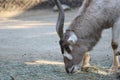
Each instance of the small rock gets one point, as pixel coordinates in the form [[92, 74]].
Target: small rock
[[65, 7]]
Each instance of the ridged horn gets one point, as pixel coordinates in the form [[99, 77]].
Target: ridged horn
[[60, 21]]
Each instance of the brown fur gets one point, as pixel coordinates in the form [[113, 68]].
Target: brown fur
[[97, 17], [94, 16]]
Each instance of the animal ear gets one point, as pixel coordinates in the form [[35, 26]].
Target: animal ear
[[72, 39]]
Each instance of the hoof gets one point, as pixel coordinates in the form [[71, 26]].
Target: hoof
[[85, 68]]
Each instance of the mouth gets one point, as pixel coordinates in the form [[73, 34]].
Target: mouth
[[73, 69]]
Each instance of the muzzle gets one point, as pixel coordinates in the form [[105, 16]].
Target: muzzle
[[73, 69]]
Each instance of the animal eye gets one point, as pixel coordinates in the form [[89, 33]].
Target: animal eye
[[67, 48]]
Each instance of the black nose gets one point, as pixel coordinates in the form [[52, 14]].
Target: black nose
[[70, 70]]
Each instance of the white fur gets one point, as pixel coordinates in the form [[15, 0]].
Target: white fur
[[76, 68], [70, 47], [73, 38], [69, 56]]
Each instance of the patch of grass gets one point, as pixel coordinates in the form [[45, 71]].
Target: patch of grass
[[21, 71]]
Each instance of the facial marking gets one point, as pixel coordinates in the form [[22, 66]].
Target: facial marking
[[74, 68], [70, 47], [69, 56], [71, 69]]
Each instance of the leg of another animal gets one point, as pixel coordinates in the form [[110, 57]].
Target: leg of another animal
[[86, 60], [114, 44]]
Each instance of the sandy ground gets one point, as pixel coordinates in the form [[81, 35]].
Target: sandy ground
[[29, 48]]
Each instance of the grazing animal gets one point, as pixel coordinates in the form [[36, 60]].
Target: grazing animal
[[85, 31]]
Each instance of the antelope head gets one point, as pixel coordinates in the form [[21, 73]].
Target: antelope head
[[71, 50]]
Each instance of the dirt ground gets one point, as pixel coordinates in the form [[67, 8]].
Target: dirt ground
[[29, 48]]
